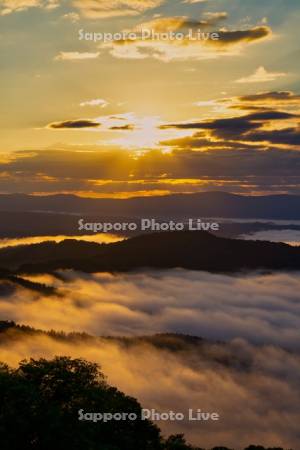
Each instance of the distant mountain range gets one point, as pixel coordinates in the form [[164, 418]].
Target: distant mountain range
[[189, 250], [15, 224], [206, 204]]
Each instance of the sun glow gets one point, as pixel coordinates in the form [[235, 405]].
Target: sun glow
[[143, 132], [99, 238]]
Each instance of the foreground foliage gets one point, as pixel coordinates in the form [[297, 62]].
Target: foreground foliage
[[39, 404]]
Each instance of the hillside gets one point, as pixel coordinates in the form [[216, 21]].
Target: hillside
[[189, 250], [204, 204]]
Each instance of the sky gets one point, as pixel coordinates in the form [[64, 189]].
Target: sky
[[155, 116]]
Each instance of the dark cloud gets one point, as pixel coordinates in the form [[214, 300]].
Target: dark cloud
[[256, 151], [233, 164], [195, 49], [200, 141], [243, 123], [290, 136], [127, 127], [220, 126], [271, 115], [252, 162], [227, 37], [243, 128], [287, 96], [80, 123], [265, 102], [234, 37], [230, 128], [248, 107], [117, 118]]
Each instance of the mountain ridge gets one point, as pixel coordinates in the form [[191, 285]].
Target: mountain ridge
[[203, 204], [193, 250]]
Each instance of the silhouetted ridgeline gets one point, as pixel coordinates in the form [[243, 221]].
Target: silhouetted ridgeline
[[205, 204], [189, 250], [15, 224], [222, 354], [9, 283]]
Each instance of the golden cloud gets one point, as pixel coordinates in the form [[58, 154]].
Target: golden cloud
[[76, 56], [261, 75], [190, 46], [10, 6], [97, 9]]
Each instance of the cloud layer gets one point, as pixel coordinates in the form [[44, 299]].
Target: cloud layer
[[253, 389], [98, 9], [11, 6], [259, 308], [193, 164], [248, 143], [192, 46], [251, 381]]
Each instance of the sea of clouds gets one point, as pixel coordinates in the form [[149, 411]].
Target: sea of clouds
[[252, 381], [261, 308]]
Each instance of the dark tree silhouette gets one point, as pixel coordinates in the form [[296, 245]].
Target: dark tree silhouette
[[40, 403], [178, 442]]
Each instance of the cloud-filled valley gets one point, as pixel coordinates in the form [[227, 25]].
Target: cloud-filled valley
[[254, 389], [261, 308]]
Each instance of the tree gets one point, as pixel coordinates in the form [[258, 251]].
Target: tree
[[39, 404], [260, 447], [221, 448], [42, 401], [178, 442]]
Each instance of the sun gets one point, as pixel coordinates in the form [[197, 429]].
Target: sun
[[145, 133]]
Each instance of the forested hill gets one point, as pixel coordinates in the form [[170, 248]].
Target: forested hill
[[189, 250]]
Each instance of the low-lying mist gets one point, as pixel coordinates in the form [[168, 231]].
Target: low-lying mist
[[254, 389], [262, 308], [252, 381]]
